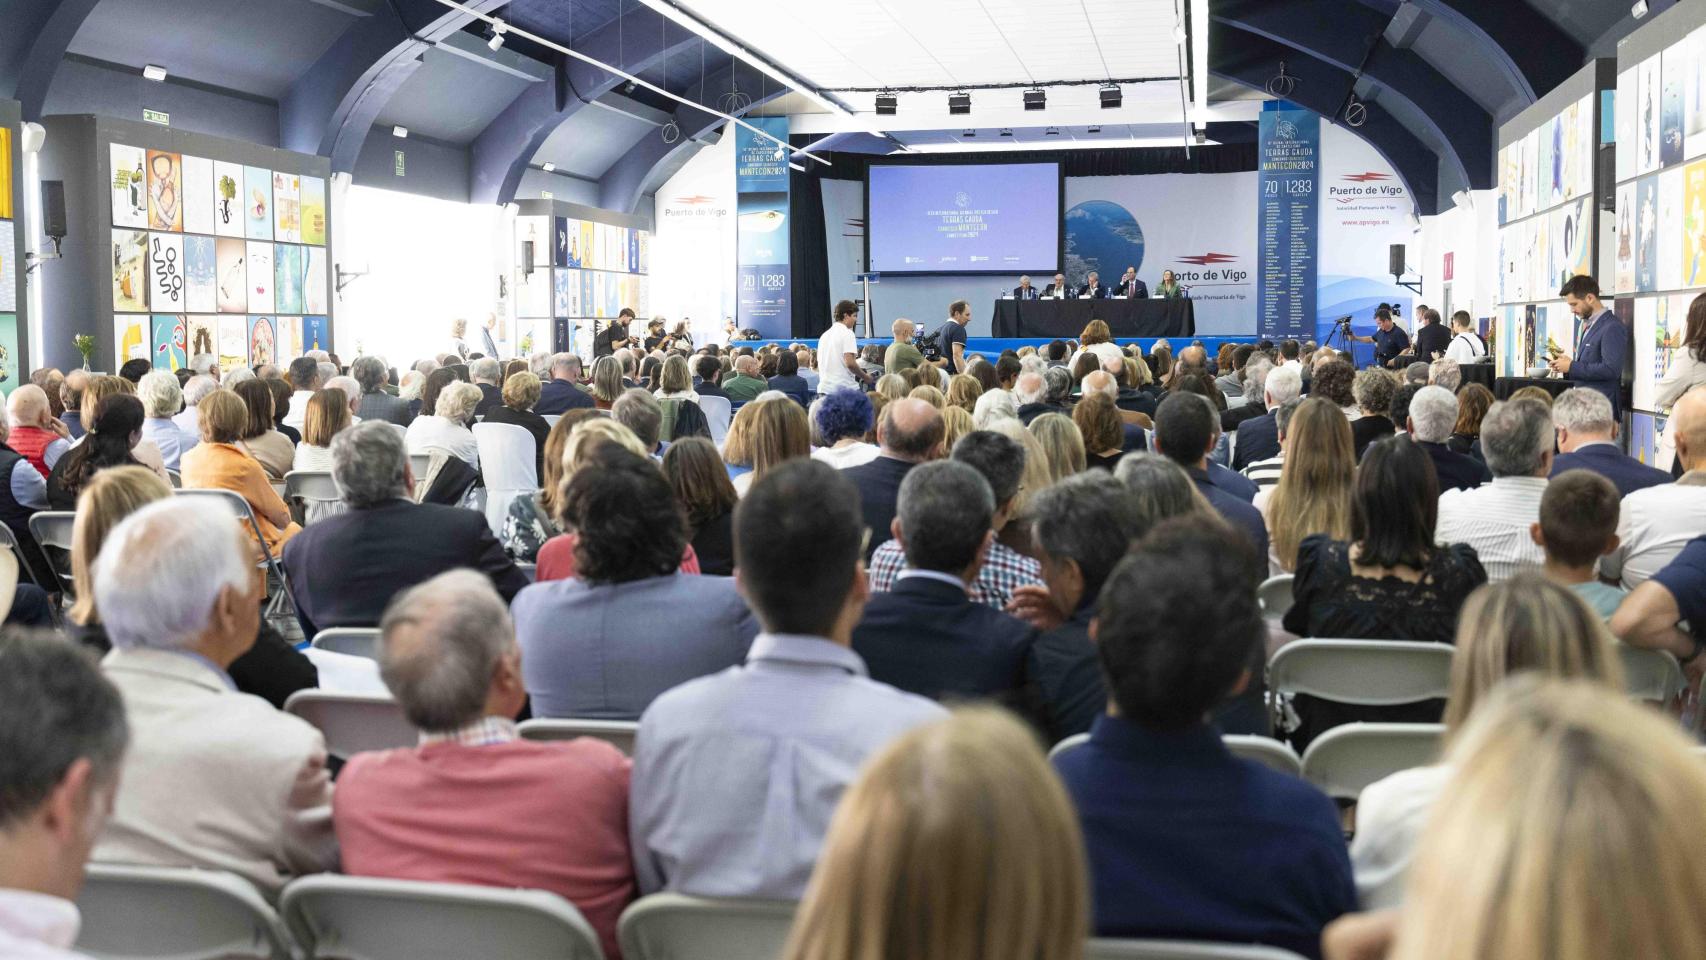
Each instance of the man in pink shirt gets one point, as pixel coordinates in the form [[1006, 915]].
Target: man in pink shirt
[[474, 803]]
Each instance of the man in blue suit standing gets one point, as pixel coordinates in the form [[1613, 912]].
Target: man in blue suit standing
[[1604, 346]]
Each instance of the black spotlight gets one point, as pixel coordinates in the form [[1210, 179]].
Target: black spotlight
[[1036, 99], [959, 103], [1051, 132], [1006, 131], [887, 103], [1094, 128], [969, 134], [1111, 97]]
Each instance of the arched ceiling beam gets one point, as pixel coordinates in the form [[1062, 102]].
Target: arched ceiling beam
[[1532, 52], [1349, 36], [499, 156], [333, 104], [33, 41]]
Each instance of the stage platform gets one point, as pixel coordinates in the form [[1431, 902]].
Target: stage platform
[[992, 346]]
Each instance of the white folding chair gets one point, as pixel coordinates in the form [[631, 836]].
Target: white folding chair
[[353, 723], [1369, 673], [1266, 751], [552, 418], [1274, 595], [718, 412], [176, 478], [1651, 675], [618, 733], [1069, 744], [351, 641], [1348, 758], [419, 464], [531, 570], [315, 491], [357, 918], [49, 528], [1181, 950], [509, 462], [240, 509], [184, 914], [670, 926]]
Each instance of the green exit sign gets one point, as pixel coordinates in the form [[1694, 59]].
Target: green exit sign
[[161, 117], [397, 161]]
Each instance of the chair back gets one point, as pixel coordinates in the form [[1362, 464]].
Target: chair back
[[671, 926], [509, 462], [313, 495], [1274, 595], [1362, 672], [1651, 675], [50, 528], [1068, 745], [618, 733], [1266, 751], [176, 478], [552, 418], [184, 914], [419, 464], [359, 918], [718, 412], [1097, 949], [353, 723], [1348, 758], [350, 641]]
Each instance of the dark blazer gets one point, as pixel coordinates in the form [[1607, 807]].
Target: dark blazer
[[1139, 289], [926, 637], [560, 396], [490, 397], [535, 425], [380, 405], [1235, 510], [1031, 411], [1365, 430], [1236, 484], [1628, 473], [1098, 292], [1231, 417], [344, 569], [714, 544], [1068, 677], [879, 486], [705, 389], [1600, 358], [1021, 293], [1136, 401], [794, 386], [1432, 338], [1456, 471], [1049, 290], [1258, 439]]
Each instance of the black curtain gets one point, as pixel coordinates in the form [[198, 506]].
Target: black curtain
[[808, 257]]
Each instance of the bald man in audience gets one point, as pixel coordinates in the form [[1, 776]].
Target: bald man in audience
[[746, 384], [1657, 522], [475, 803], [1030, 395], [910, 432], [214, 779]]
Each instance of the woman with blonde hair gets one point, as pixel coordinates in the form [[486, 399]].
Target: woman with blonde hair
[[328, 413], [1063, 445], [1527, 624], [606, 382], [1016, 535], [956, 841], [892, 386], [676, 381], [1099, 423], [1568, 830], [778, 433], [1096, 339], [929, 395], [271, 449], [956, 423], [1317, 478], [219, 462], [964, 391]]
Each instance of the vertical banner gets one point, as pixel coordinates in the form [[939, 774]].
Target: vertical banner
[[761, 188], [1289, 178]]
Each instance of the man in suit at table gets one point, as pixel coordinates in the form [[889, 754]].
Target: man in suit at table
[[1024, 291], [1130, 287], [345, 569], [1094, 288], [925, 635], [1604, 346], [1058, 290]]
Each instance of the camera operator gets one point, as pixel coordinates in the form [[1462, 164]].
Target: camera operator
[[1390, 341]]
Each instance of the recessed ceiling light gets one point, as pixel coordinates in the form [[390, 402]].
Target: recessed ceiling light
[[154, 72], [548, 166], [400, 132]]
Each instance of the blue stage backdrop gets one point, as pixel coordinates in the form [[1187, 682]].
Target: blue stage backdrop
[[1288, 189], [761, 189]]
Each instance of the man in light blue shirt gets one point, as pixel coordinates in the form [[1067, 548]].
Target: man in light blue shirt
[[161, 397], [736, 774]]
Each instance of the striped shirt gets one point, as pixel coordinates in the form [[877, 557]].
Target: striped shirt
[[1494, 518], [1004, 570], [1265, 473], [482, 732]]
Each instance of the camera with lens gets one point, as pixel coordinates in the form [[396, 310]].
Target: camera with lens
[[929, 345]]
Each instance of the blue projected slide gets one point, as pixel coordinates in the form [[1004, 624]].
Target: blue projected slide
[[964, 218]]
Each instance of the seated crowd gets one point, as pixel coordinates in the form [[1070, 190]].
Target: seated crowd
[[850, 602]]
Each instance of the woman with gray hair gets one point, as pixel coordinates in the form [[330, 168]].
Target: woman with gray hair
[[161, 399], [446, 428]]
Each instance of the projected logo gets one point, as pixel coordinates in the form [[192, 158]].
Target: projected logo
[[1103, 236]]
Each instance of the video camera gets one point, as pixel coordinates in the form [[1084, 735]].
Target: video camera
[[929, 344]]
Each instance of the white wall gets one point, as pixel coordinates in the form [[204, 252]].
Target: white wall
[[693, 266], [1468, 233], [428, 262]]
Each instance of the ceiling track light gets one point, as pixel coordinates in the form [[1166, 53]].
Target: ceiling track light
[[1052, 132], [1111, 96], [497, 39], [1036, 99], [1094, 128], [968, 134], [1007, 131], [959, 103], [887, 104]]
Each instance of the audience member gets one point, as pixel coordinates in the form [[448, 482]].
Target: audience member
[[1252, 403], [487, 375], [1664, 613], [1432, 415], [328, 414], [925, 634], [134, 370], [799, 717], [446, 427], [1030, 396], [475, 803], [963, 392], [1525, 625], [909, 433], [1577, 526], [1373, 391], [1313, 495], [606, 642], [532, 521], [161, 397], [214, 778], [1062, 444], [50, 380], [842, 418], [520, 395], [1417, 373], [702, 488], [608, 382], [1402, 394], [1006, 883], [1186, 431], [1496, 518], [1587, 440], [219, 462], [1258, 437], [1186, 841], [1334, 382], [344, 569], [1445, 373], [271, 449], [71, 403], [777, 433], [62, 742], [305, 378], [1101, 429], [115, 428], [376, 404], [1657, 522], [281, 394], [35, 435], [745, 385], [1389, 581], [675, 382], [707, 374], [1473, 402], [994, 405], [562, 393]]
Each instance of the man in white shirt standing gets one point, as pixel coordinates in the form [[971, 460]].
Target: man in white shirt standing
[[62, 740], [1657, 522], [1494, 518], [838, 352], [1466, 345]]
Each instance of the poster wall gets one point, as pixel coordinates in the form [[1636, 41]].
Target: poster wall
[[761, 189], [573, 275], [1289, 179], [11, 273]]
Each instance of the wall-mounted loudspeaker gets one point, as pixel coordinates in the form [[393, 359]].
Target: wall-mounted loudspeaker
[[1395, 259], [53, 209]]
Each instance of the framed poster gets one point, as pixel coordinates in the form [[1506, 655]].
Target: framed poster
[[258, 257], [129, 185], [168, 338], [200, 268], [130, 338], [314, 211], [165, 191], [233, 343], [201, 335], [263, 341], [130, 271], [286, 207], [228, 218], [287, 278], [199, 206], [257, 203], [231, 274], [166, 272], [314, 280]]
